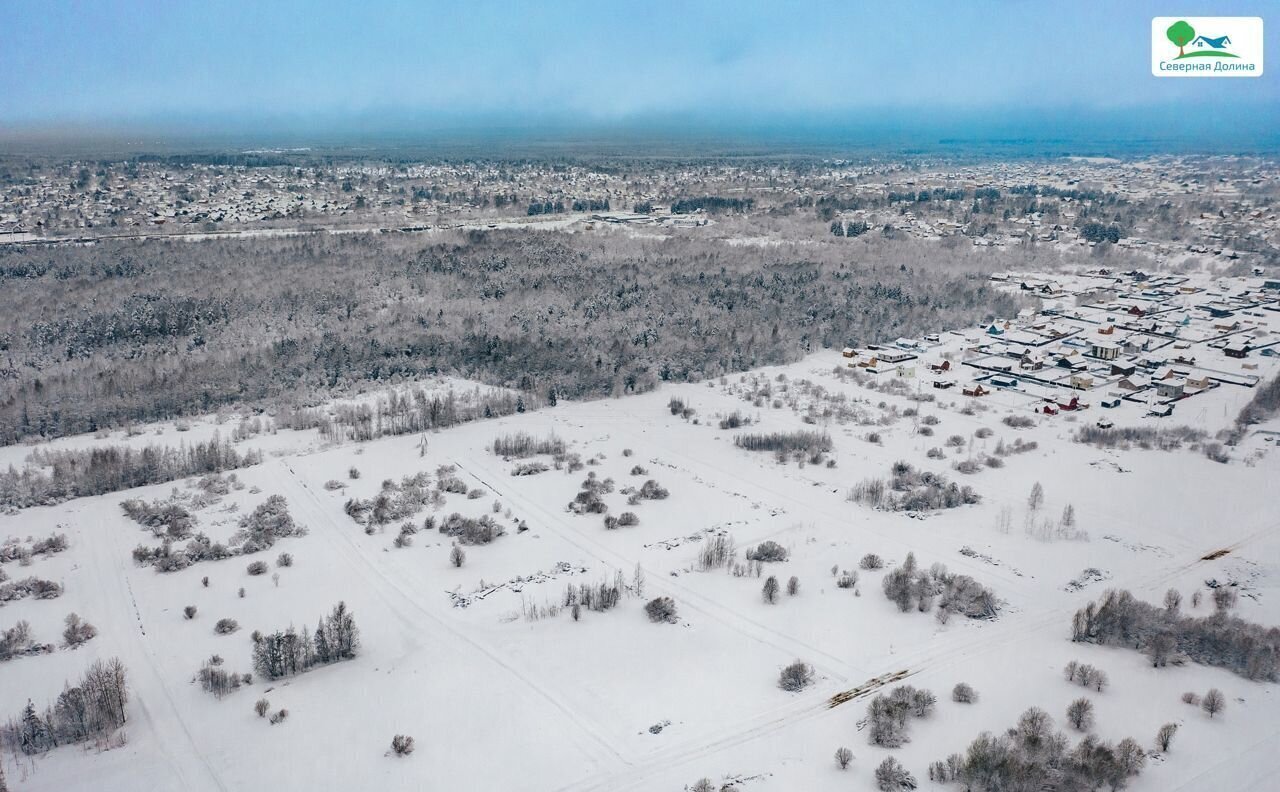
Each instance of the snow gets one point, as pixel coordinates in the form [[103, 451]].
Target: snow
[[498, 701]]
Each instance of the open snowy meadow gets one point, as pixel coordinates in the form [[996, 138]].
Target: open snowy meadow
[[710, 586]]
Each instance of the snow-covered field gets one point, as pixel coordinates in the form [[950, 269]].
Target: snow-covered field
[[499, 700]]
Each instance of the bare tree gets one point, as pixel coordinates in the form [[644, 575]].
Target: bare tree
[[1036, 499], [1160, 647], [1164, 737], [1172, 601], [770, 590], [457, 556], [1080, 714], [793, 586], [1213, 702], [261, 706], [843, 757], [1224, 598]]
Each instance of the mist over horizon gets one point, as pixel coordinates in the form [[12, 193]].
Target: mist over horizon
[[149, 76]]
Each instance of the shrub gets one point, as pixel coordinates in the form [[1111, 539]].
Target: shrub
[[793, 586], [893, 777], [909, 489], [1018, 422], [733, 420], [257, 568], [353, 473], [261, 706], [963, 693], [76, 631], [29, 587], [471, 531], [402, 745], [847, 580], [767, 550], [457, 556], [871, 561], [279, 717], [17, 641], [652, 490], [628, 518], [796, 676], [530, 468], [284, 560], [189, 612], [661, 609], [226, 626]]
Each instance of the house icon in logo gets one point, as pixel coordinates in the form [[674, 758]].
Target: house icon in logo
[[1182, 34], [1218, 43]]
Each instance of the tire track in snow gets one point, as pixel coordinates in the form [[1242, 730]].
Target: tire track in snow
[[396, 597], [165, 722], [835, 666]]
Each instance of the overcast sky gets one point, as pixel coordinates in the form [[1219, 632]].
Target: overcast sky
[[120, 63]]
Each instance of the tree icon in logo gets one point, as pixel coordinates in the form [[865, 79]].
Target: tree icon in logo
[[1181, 34]]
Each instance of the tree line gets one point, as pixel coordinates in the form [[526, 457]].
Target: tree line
[[75, 473], [93, 707]]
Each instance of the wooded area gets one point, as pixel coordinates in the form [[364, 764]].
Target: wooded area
[[165, 329]]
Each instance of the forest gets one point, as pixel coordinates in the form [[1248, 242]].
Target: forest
[[172, 328]]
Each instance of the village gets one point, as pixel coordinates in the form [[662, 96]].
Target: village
[[1165, 210], [1143, 345]]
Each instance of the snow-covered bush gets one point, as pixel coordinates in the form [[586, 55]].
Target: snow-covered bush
[[796, 676], [77, 631], [661, 609], [767, 550], [401, 745], [893, 777]]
